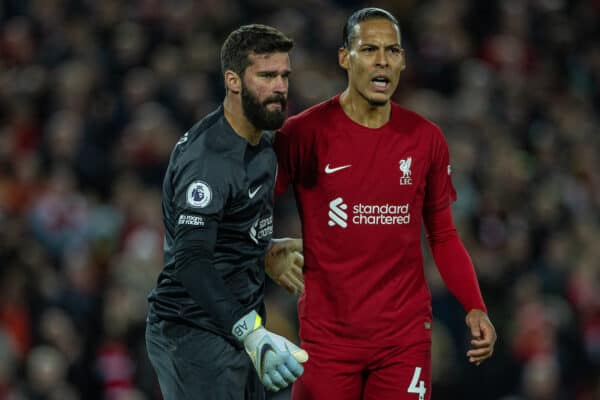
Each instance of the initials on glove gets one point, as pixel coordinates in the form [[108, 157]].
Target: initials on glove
[[276, 360]]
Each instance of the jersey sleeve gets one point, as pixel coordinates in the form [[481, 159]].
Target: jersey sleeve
[[296, 163], [452, 260], [440, 191], [199, 198]]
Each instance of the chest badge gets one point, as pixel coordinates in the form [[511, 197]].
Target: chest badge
[[405, 164]]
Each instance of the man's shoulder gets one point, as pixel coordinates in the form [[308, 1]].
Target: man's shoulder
[[313, 114], [405, 114], [208, 125], [203, 144], [204, 136], [203, 154], [409, 119]]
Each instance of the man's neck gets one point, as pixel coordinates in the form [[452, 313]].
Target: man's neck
[[359, 110], [238, 121]]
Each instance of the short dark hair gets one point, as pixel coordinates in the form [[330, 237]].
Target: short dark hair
[[247, 39], [362, 15]]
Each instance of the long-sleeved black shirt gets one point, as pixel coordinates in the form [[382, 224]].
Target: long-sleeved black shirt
[[218, 217]]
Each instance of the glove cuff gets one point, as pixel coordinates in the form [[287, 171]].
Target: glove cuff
[[245, 325]]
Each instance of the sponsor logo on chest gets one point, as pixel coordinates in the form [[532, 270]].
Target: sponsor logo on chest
[[367, 214], [341, 214]]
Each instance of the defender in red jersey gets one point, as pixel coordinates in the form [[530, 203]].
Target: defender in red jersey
[[367, 174]]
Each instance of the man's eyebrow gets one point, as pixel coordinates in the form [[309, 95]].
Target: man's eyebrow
[[274, 72], [369, 44]]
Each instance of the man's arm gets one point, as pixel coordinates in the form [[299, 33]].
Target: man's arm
[[458, 273], [194, 248], [284, 260], [201, 199], [276, 359]]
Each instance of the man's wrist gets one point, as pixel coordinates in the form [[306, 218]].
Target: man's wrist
[[277, 240], [245, 325]]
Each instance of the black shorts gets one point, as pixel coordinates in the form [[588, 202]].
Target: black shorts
[[196, 364]]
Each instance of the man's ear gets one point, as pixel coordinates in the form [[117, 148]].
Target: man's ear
[[233, 82], [343, 55]]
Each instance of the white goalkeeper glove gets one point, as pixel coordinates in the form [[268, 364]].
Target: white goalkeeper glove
[[276, 360]]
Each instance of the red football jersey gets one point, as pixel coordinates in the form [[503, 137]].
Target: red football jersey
[[361, 193]]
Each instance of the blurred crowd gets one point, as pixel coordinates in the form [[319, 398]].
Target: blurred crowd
[[94, 94]]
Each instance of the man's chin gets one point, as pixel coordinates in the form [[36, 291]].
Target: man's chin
[[377, 99], [273, 120], [378, 102]]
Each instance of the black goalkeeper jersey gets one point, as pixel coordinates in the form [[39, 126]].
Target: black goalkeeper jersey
[[218, 217]]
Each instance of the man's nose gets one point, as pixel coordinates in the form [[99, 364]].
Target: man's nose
[[280, 84], [381, 58]]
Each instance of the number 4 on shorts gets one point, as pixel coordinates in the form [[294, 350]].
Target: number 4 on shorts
[[413, 388]]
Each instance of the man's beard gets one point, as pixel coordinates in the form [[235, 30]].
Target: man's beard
[[258, 114]]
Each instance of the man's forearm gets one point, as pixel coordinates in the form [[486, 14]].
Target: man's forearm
[[195, 271], [452, 259]]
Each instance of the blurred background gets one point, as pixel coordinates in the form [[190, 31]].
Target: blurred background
[[94, 94]]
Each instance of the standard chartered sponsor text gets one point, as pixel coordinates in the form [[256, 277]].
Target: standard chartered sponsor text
[[381, 214], [265, 227]]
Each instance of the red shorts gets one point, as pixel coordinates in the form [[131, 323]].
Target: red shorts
[[336, 372]]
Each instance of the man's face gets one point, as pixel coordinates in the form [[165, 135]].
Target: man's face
[[374, 61], [265, 90]]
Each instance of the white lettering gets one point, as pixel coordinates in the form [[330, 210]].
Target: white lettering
[[381, 214], [262, 229], [362, 219], [194, 220]]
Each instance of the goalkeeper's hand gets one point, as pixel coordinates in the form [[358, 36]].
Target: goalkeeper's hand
[[276, 360]]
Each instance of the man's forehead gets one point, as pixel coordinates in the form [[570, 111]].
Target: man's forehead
[[269, 60], [377, 30], [268, 57]]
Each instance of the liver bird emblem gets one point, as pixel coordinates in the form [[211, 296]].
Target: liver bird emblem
[[405, 167]]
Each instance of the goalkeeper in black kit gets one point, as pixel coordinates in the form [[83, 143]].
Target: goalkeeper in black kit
[[207, 307]]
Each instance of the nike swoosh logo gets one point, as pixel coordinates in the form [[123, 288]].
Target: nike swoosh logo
[[252, 193], [329, 170], [262, 357]]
